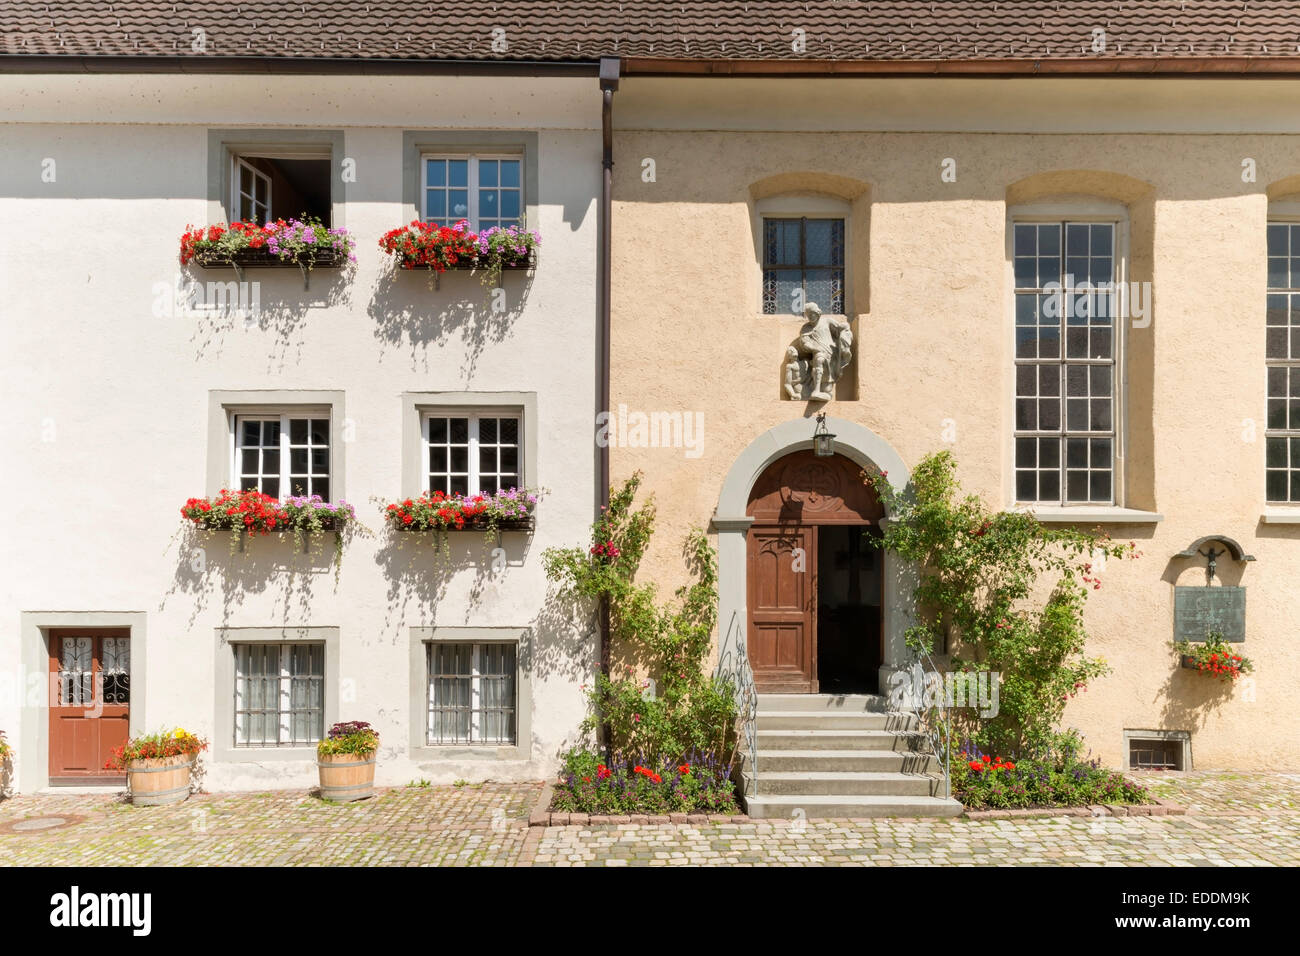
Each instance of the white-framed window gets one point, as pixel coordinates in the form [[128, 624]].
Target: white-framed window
[[471, 696], [1282, 361], [803, 261], [279, 694], [486, 190], [282, 454], [251, 188], [469, 452], [1069, 274]]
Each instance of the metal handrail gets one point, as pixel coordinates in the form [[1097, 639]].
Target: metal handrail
[[733, 667], [935, 720]]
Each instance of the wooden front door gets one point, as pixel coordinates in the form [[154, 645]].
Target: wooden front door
[[90, 691], [796, 501], [782, 609]]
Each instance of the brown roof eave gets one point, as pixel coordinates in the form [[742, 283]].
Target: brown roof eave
[[22, 63], [1134, 66]]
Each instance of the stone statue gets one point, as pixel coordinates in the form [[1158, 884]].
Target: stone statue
[[818, 357]]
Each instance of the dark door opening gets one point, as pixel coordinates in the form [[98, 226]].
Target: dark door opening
[[848, 610]]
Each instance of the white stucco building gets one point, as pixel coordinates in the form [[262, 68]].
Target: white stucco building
[[124, 397]]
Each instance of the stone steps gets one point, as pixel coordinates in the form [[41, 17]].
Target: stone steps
[[845, 756], [810, 720], [832, 806], [851, 783], [853, 761], [840, 740]]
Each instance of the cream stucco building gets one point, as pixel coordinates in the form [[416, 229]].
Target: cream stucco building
[[938, 190]]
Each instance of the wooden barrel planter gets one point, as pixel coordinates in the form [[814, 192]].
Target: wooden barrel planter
[[159, 781], [345, 777]]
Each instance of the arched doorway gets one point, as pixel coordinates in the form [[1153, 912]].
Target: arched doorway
[[815, 583]]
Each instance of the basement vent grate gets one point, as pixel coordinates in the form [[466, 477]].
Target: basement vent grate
[[1158, 750]]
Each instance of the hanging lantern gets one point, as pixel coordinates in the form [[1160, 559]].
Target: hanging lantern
[[823, 441]]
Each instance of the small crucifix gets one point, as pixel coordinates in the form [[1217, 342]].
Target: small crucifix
[[1210, 555]]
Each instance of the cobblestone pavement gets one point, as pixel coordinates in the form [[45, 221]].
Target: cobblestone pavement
[[1236, 820]]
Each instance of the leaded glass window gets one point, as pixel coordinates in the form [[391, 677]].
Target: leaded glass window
[[803, 262]]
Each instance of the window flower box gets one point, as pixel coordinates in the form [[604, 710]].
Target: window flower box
[[1215, 657], [264, 258], [281, 244], [426, 245], [510, 510], [253, 513]]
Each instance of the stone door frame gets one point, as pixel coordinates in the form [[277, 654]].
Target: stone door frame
[[732, 525]]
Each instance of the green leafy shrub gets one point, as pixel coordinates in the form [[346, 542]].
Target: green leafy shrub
[[979, 575], [677, 709]]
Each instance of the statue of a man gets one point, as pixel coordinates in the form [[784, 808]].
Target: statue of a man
[[826, 343]]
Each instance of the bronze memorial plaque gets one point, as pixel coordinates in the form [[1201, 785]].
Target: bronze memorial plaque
[[1199, 610]]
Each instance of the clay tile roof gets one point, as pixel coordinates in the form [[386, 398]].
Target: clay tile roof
[[841, 31]]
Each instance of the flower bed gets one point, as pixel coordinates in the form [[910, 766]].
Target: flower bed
[[438, 248], [5, 750], [589, 786], [256, 513], [1214, 657], [301, 242], [1054, 779], [506, 510]]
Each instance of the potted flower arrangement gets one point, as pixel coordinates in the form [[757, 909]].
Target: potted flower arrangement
[[439, 248], [303, 242], [252, 512], [509, 510], [158, 766], [346, 761], [1215, 657]]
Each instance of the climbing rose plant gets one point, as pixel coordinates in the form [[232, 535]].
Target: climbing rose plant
[[979, 593], [677, 713]]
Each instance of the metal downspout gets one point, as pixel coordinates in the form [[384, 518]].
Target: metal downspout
[[609, 76]]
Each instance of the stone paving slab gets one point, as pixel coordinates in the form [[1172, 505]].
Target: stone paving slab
[[1234, 820]]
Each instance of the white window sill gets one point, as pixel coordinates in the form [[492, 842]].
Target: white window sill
[[1280, 516], [1105, 514]]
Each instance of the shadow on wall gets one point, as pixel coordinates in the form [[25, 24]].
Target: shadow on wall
[[213, 571], [265, 300], [420, 567], [1188, 698], [410, 313]]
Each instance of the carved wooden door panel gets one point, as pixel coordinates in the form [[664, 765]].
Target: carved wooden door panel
[[782, 608], [90, 701]]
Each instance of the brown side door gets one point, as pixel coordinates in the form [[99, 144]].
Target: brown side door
[[782, 609], [90, 702]]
